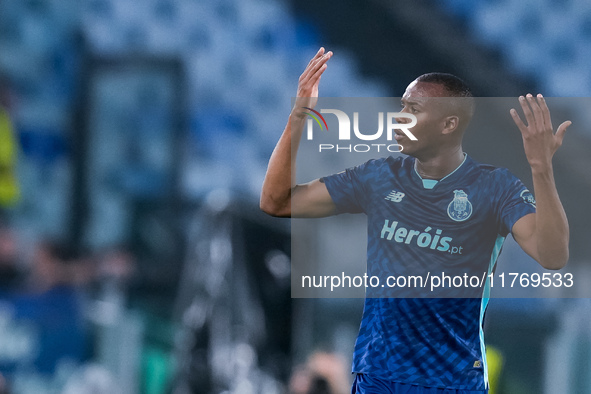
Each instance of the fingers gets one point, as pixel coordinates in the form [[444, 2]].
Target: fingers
[[545, 111], [536, 112], [316, 64], [562, 131], [316, 76], [315, 68], [320, 64], [316, 56], [520, 125], [529, 117], [538, 118], [311, 63]]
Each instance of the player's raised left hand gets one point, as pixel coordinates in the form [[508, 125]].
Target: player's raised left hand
[[539, 140]]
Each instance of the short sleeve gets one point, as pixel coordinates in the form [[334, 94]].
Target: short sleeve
[[348, 189], [514, 201]]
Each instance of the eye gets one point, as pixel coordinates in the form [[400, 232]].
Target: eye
[[412, 109]]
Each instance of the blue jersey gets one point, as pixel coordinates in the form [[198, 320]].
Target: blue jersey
[[454, 226]]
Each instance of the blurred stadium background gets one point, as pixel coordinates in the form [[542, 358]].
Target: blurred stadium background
[[134, 140]]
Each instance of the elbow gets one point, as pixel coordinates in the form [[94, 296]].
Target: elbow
[[271, 208], [556, 262], [554, 266], [267, 207]]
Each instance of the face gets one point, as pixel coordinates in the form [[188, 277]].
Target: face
[[425, 101]]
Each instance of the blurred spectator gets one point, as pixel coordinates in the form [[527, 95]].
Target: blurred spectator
[[11, 274], [52, 266], [9, 188], [114, 271], [494, 360], [323, 373], [117, 265], [53, 308]]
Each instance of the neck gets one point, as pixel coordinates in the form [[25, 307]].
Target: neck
[[440, 165]]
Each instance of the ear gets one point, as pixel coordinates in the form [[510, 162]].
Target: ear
[[450, 124]]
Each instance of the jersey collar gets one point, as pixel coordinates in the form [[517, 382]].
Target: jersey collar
[[431, 183]]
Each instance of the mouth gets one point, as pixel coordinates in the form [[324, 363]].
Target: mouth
[[398, 136]]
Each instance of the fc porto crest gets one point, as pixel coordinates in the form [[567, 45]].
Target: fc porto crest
[[460, 208]]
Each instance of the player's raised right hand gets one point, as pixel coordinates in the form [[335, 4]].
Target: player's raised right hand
[[280, 195], [307, 94]]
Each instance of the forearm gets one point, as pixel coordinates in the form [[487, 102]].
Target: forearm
[[280, 177], [279, 183], [551, 230]]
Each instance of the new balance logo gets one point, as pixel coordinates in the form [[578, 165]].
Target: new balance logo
[[394, 196]]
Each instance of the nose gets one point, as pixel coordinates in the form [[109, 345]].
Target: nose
[[402, 119]]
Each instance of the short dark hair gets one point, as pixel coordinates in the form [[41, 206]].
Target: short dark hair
[[454, 85]]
